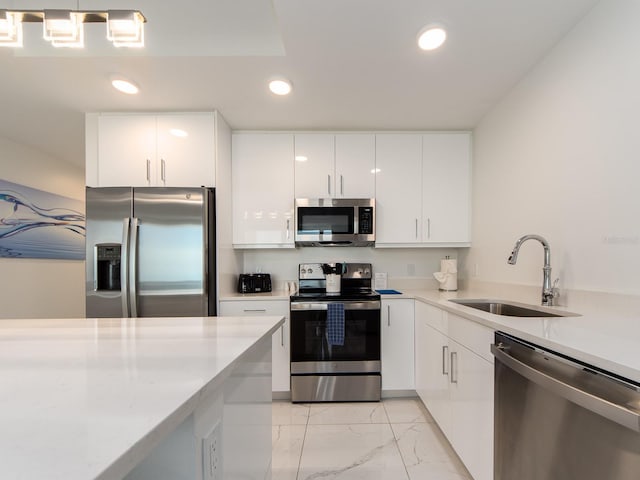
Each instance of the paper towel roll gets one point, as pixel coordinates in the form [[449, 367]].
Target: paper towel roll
[[448, 275], [449, 265]]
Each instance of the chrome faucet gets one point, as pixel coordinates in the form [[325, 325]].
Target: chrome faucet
[[549, 293]]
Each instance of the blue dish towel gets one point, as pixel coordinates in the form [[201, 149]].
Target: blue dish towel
[[335, 323]]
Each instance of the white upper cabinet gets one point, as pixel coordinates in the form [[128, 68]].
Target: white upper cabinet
[[398, 189], [334, 166], [446, 187], [355, 166], [314, 166], [423, 189], [186, 150], [262, 190], [140, 150]]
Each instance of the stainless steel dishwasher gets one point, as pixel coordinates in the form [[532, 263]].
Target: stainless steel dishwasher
[[557, 418]]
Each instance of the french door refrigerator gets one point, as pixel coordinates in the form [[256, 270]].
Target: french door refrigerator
[[150, 252]]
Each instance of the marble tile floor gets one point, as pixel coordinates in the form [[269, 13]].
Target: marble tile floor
[[395, 439]]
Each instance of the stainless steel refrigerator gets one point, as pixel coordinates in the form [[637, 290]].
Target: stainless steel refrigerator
[[150, 252]]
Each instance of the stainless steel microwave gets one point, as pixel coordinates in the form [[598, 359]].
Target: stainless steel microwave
[[335, 222]]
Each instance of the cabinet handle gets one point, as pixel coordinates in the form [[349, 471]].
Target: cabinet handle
[[329, 184], [428, 228], [162, 170], [254, 310], [388, 315], [454, 367], [341, 185], [288, 224], [282, 335], [148, 171], [445, 354], [416, 228]]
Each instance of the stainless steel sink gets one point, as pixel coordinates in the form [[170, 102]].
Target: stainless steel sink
[[510, 309]]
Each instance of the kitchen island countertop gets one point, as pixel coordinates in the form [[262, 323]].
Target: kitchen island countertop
[[89, 398]]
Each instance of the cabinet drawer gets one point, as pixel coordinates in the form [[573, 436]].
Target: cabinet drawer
[[435, 317], [472, 335], [254, 308]]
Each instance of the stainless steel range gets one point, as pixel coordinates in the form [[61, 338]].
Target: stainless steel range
[[335, 336]]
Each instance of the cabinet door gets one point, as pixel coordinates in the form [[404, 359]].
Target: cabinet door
[[471, 390], [126, 151], [446, 184], [432, 369], [397, 344], [398, 189], [315, 166], [262, 189], [186, 150], [280, 348], [355, 166]]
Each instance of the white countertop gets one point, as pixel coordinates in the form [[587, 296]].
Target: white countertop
[[606, 333], [80, 395]]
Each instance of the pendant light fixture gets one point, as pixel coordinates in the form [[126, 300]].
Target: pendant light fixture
[[10, 29], [65, 28], [125, 28]]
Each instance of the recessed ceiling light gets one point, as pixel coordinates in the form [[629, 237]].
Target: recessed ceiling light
[[178, 132], [301, 158], [431, 37], [124, 86], [280, 87]]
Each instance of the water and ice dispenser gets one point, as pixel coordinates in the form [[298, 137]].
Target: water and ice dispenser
[[108, 258]]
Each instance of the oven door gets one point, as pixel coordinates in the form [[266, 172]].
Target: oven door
[[310, 348]]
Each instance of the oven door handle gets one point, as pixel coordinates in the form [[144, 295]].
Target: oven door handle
[[348, 305], [600, 406]]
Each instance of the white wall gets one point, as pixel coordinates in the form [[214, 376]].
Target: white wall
[[560, 157], [33, 288]]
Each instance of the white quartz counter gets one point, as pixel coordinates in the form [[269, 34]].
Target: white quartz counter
[[85, 398], [606, 333]]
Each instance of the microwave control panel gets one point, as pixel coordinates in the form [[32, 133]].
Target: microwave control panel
[[365, 220]]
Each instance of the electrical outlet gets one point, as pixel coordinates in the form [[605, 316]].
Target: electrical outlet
[[212, 454]]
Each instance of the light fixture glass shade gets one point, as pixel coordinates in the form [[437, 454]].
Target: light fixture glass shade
[[280, 87], [125, 28], [10, 29], [124, 86], [63, 28], [431, 38]]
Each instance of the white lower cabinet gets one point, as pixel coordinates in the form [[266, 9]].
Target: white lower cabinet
[[454, 379], [281, 370], [397, 344]]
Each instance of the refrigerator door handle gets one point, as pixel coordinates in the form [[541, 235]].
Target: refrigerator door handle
[[124, 270], [133, 262]]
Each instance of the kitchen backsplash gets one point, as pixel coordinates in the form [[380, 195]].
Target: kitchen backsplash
[[404, 267]]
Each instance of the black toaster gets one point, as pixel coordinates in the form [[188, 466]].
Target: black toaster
[[254, 283]]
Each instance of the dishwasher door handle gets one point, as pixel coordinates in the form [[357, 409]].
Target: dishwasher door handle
[[616, 413]]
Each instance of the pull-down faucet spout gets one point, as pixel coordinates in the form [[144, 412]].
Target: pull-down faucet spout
[[548, 292]]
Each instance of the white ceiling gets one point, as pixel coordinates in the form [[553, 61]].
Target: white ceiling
[[354, 65]]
